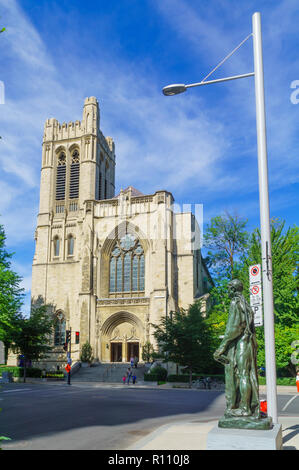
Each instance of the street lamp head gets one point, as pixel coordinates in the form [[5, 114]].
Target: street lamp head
[[175, 89]]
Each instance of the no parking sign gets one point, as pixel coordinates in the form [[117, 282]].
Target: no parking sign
[[255, 274], [255, 286]]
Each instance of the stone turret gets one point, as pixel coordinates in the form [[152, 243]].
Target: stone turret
[[91, 116]]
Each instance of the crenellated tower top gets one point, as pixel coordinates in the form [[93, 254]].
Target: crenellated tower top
[[90, 125]]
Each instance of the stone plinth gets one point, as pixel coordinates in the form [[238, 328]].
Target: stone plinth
[[245, 439]]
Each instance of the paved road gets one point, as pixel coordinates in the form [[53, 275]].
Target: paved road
[[93, 417]]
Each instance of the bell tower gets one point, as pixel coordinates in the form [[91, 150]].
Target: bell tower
[[78, 168]]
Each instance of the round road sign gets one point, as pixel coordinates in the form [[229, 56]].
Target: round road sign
[[255, 290], [254, 270]]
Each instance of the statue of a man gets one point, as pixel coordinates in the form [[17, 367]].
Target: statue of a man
[[237, 352]]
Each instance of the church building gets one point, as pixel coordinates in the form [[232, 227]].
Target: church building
[[109, 265]]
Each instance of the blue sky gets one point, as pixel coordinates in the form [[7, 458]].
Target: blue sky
[[200, 145]]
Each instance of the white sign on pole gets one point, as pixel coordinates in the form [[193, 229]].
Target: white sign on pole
[[258, 315], [255, 274], [256, 299]]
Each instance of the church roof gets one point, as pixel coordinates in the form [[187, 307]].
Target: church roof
[[134, 192]]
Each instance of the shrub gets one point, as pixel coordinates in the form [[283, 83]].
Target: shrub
[[185, 378], [279, 380], [19, 371], [55, 375], [86, 353], [150, 378], [147, 352], [156, 374], [160, 372]]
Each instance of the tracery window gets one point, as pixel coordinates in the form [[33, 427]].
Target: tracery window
[[127, 265], [74, 175], [60, 177], [59, 329]]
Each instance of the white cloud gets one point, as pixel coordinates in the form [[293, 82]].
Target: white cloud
[[170, 143], [154, 135], [209, 33]]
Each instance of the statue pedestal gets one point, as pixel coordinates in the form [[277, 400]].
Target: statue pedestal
[[245, 439]]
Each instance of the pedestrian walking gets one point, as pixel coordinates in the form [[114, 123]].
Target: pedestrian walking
[[135, 362], [134, 379]]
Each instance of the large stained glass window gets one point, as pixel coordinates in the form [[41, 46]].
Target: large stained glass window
[[127, 265]]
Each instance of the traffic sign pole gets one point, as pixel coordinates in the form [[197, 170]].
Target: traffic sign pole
[[255, 288], [264, 217], [69, 360]]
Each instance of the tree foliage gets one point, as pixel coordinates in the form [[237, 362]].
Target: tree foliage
[[285, 249], [226, 239], [285, 255], [184, 338], [147, 352], [32, 336], [11, 294], [86, 353]]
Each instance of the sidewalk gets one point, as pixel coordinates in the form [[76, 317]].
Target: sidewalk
[[281, 389], [193, 436]]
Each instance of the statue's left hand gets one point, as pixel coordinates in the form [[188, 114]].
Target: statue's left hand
[[220, 357]]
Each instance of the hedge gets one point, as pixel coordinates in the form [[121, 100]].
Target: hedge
[[19, 371], [32, 372], [185, 378], [158, 373], [279, 380]]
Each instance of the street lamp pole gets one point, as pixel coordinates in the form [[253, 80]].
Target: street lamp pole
[[264, 218], [263, 196]]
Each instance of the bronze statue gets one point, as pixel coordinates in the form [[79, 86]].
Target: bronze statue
[[237, 352]]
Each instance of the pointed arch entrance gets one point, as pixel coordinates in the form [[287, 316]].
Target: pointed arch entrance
[[122, 335]]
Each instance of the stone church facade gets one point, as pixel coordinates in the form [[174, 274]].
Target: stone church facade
[[108, 265]]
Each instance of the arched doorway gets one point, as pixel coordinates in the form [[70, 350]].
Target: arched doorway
[[122, 335]]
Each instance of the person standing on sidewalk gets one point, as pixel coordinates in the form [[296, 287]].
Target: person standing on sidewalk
[[129, 374]]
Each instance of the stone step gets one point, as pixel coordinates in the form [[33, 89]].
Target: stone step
[[111, 372]]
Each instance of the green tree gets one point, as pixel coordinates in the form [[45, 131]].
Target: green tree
[[285, 255], [285, 248], [11, 294], [218, 313], [86, 353], [285, 251], [33, 336], [225, 239], [147, 351], [184, 338]]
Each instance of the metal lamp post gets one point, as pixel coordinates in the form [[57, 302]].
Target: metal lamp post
[[263, 197]]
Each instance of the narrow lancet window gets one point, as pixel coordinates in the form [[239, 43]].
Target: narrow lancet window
[[60, 177], [74, 175], [56, 246], [70, 245]]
